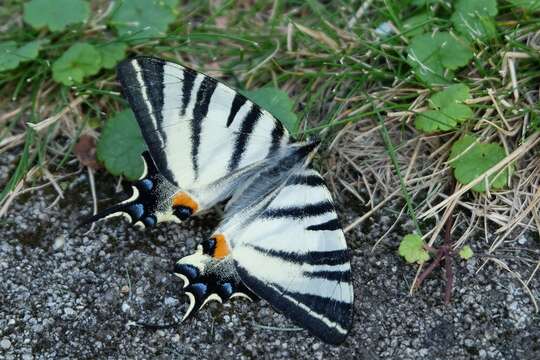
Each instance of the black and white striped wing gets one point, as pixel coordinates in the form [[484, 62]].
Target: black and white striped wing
[[294, 255], [197, 129]]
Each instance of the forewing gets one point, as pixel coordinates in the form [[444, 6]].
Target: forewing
[[294, 255], [197, 129]]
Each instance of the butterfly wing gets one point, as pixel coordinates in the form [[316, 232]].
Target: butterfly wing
[[204, 140], [199, 131], [294, 255]]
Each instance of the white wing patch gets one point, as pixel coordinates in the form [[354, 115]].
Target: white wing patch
[[294, 255]]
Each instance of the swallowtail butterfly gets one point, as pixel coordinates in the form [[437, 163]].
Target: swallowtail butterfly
[[280, 238]]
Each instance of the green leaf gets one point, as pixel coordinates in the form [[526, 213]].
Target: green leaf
[[120, 146], [529, 5], [111, 54], [466, 252], [433, 120], [469, 163], [454, 52], [430, 55], [11, 56], [417, 24], [474, 18], [55, 14], [278, 103], [143, 18], [412, 249], [451, 95], [448, 110], [79, 61]]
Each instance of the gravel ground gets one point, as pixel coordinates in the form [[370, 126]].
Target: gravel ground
[[75, 296]]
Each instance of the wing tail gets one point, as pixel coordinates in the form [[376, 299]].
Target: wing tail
[[143, 206]]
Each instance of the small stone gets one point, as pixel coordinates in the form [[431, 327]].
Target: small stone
[[59, 242], [170, 301], [124, 290], [482, 353], [69, 311], [5, 344]]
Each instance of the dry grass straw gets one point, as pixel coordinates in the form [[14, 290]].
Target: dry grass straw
[[497, 219]]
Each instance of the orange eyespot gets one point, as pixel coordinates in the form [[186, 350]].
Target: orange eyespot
[[183, 199], [221, 248]]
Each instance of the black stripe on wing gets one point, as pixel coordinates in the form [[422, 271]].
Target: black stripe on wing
[[133, 90], [204, 94], [187, 88], [242, 139], [329, 225], [237, 103], [303, 211], [338, 275], [331, 257], [320, 315], [153, 78], [277, 136], [309, 180]]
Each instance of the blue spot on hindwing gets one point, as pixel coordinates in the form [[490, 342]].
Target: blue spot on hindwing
[[150, 221], [146, 184], [199, 290], [136, 211], [190, 271], [226, 290]]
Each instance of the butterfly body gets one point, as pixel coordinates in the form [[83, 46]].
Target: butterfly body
[[279, 239]]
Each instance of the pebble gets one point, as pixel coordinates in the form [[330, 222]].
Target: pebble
[[69, 311], [5, 344], [83, 281]]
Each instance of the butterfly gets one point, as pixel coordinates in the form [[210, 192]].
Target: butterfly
[[279, 239]]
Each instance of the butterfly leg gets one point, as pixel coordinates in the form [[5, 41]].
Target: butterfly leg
[[208, 278]]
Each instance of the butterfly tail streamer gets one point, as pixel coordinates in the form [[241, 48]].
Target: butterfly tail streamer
[[142, 206], [206, 279]]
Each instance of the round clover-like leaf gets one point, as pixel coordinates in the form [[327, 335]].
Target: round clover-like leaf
[[474, 19], [11, 55], [453, 51], [111, 54], [471, 159], [120, 146], [412, 249], [432, 121], [278, 103], [417, 24], [430, 55], [55, 14], [466, 252], [143, 18], [79, 61], [448, 110], [453, 94]]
